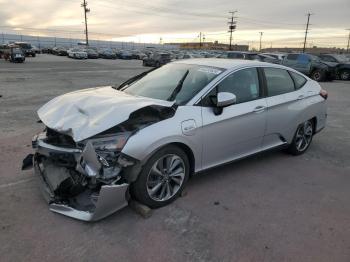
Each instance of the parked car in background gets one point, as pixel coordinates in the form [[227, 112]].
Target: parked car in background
[[36, 49], [27, 48], [14, 54], [77, 53], [157, 59], [341, 63], [92, 53], [101, 143], [136, 54], [60, 51], [279, 56], [3, 49], [107, 54], [311, 66], [250, 56], [123, 54]]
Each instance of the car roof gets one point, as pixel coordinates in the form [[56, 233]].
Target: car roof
[[226, 63]]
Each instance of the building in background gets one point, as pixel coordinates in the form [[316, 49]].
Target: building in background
[[210, 45]]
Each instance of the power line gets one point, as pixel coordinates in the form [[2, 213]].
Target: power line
[[306, 31], [232, 26]]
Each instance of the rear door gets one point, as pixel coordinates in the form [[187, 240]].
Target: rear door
[[285, 97]]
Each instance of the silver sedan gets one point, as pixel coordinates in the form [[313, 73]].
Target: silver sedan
[[145, 138]]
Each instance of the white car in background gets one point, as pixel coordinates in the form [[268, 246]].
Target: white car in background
[[279, 56], [77, 53]]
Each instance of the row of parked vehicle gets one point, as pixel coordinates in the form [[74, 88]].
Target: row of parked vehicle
[[17, 51], [322, 67], [94, 53]]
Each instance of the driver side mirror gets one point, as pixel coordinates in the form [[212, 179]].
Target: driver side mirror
[[225, 99]]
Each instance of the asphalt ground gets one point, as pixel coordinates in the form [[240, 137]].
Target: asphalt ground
[[270, 207]]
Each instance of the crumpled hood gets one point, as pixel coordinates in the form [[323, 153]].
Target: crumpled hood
[[88, 112]]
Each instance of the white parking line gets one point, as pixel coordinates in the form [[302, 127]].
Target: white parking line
[[16, 183]]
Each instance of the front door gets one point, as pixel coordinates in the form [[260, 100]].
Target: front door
[[239, 129]]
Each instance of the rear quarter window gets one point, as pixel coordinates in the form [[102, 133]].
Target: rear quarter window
[[299, 80]]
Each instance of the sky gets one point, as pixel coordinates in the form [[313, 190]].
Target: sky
[[281, 21]]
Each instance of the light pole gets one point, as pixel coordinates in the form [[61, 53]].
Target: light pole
[[261, 34]]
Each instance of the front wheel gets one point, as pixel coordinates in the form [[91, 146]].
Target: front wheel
[[163, 177], [302, 138], [345, 75]]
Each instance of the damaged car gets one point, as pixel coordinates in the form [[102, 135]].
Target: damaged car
[[145, 138]]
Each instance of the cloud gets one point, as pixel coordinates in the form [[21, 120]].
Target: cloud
[[109, 19]]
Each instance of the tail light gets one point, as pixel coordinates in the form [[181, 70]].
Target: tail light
[[324, 94]]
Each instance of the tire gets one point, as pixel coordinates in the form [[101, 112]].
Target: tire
[[156, 188], [344, 75], [33, 55], [157, 64], [318, 75], [302, 138]]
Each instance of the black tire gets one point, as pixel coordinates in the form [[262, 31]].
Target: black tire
[[318, 75], [344, 75], [157, 64], [139, 189], [294, 148], [33, 55]]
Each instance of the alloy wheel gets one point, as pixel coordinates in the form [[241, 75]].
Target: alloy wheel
[[165, 177], [304, 136], [345, 75]]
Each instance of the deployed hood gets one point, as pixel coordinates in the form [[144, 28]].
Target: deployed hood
[[88, 112]]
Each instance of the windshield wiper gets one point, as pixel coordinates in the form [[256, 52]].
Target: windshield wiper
[[133, 79], [178, 87]]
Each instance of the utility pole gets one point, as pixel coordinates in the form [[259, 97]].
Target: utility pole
[[86, 10], [347, 48], [200, 40], [306, 30], [261, 34], [232, 26]]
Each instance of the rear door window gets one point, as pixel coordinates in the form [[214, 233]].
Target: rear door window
[[278, 81]]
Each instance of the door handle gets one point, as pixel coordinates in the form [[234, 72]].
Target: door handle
[[259, 109], [301, 97]]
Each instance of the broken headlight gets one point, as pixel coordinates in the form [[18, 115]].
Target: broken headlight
[[110, 143]]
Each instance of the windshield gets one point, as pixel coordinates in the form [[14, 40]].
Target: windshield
[[183, 80], [342, 58]]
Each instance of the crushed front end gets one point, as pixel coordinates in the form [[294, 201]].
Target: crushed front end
[[83, 180]]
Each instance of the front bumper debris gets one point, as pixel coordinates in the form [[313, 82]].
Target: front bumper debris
[[70, 180]]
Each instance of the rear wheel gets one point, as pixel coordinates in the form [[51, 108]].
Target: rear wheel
[[162, 178], [345, 75], [318, 75], [302, 138]]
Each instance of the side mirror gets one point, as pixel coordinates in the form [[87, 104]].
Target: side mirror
[[225, 99]]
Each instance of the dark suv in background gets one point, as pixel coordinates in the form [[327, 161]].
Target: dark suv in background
[[341, 64], [157, 59], [311, 66], [27, 48]]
